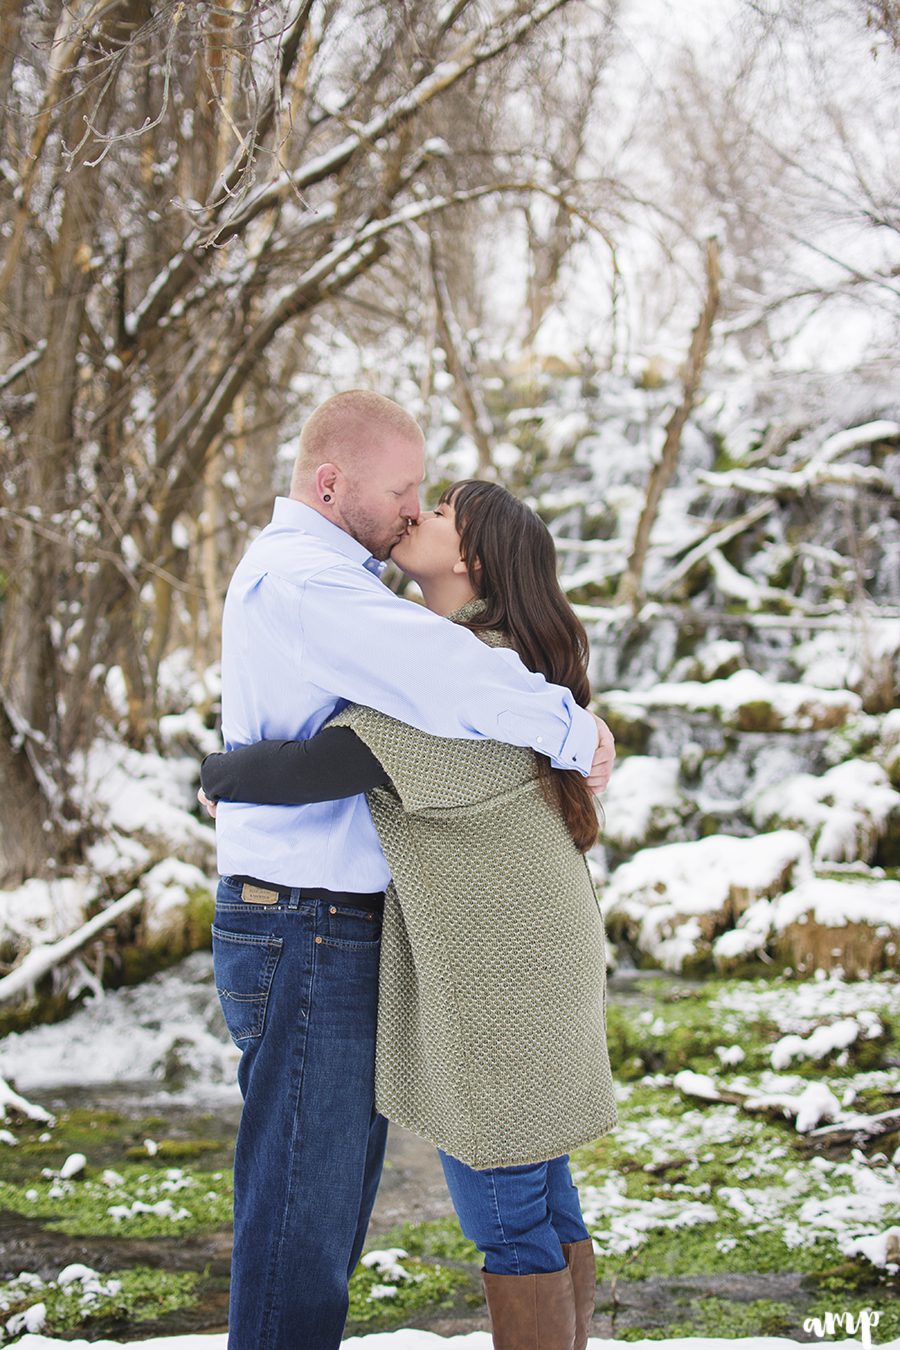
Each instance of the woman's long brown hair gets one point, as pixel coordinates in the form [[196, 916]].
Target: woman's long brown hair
[[517, 581]]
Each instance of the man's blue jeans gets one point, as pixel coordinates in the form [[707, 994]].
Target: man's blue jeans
[[517, 1216], [298, 985]]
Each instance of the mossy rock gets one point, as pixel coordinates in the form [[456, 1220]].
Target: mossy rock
[[632, 733], [592, 592], [887, 850], [858, 948], [758, 716]]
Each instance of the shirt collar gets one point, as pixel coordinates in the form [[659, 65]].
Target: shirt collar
[[293, 515]]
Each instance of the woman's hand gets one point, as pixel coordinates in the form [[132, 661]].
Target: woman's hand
[[204, 801], [604, 758]]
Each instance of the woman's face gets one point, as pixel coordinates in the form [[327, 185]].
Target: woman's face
[[430, 547]]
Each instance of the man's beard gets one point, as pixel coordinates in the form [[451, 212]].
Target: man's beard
[[367, 532]]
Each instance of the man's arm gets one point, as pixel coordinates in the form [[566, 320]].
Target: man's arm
[[362, 643]]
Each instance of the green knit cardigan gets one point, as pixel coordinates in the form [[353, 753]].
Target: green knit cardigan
[[492, 996]]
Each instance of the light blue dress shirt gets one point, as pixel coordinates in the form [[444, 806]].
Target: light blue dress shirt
[[308, 627]]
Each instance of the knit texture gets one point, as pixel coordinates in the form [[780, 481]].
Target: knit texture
[[492, 1001]]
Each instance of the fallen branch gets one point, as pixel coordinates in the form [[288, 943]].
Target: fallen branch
[[11, 1101], [740, 587], [715, 540], [48, 955], [853, 1131], [856, 1130]]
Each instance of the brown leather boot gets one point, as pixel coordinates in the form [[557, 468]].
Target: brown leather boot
[[531, 1312], [580, 1260]]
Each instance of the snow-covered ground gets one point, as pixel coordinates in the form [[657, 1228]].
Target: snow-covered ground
[[409, 1339]]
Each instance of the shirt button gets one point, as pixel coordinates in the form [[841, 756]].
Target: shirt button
[[540, 740]]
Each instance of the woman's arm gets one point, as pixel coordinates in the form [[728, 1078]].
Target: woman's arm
[[333, 764]]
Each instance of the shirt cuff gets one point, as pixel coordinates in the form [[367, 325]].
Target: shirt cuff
[[577, 750]]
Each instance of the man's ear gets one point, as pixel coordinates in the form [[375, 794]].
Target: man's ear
[[326, 477]]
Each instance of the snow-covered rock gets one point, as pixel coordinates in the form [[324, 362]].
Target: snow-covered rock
[[179, 907], [747, 701], [148, 838], [644, 803], [711, 661], [882, 1249], [844, 813], [824, 1040], [887, 750], [821, 924], [672, 902], [147, 798], [73, 1165], [852, 924]]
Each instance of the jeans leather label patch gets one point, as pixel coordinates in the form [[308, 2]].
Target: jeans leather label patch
[[256, 895]]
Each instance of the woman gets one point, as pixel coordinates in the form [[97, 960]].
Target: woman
[[492, 1003]]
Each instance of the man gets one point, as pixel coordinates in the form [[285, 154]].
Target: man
[[308, 625]]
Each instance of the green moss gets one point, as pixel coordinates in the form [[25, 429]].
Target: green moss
[[177, 1148], [429, 1286], [126, 1296], [81, 1206], [758, 716], [881, 1299], [725, 1317], [695, 1250], [440, 1239], [106, 1138], [34, 1012]]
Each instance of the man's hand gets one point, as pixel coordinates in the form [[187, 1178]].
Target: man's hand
[[204, 801], [604, 758]]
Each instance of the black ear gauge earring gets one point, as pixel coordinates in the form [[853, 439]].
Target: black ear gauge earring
[[327, 497]]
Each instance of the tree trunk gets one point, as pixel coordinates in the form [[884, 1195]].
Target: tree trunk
[[630, 590]]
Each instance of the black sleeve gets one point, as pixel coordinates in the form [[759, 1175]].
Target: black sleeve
[[333, 764]]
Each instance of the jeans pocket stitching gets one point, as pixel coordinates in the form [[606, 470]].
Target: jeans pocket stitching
[[351, 944], [253, 1005]]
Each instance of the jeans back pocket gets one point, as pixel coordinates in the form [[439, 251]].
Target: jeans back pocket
[[244, 966]]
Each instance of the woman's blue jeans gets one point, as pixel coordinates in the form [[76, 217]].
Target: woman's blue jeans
[[519, 1217], [298, 985]]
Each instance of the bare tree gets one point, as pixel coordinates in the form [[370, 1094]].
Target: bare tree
[[185, 186]]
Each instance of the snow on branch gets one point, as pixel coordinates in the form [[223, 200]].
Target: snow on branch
[[740, 587], [47, 956], [25, 363], [818, 470], [11, 1101], [495, 37], [713, 543]]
